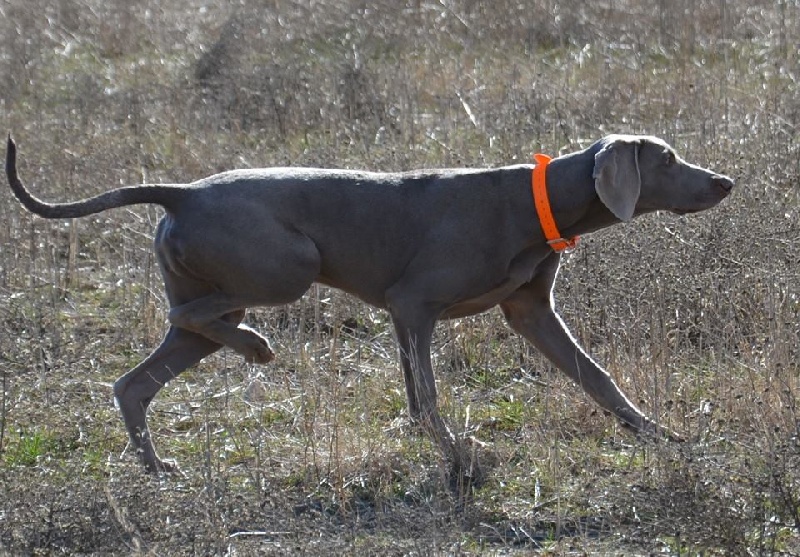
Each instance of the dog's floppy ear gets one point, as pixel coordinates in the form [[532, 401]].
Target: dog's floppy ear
[[616, 176]]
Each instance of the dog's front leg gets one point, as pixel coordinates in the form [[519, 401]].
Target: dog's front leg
[[530, 312]]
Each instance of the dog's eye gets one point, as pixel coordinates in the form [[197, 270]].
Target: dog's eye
[[669, 158]]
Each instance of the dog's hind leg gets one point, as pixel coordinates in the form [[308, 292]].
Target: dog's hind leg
[[135, 390], [220, 272], [204, 316], [180, 349]]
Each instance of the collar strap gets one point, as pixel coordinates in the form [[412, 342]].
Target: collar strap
[[542, 202]]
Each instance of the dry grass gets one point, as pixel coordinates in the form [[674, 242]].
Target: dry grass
[[697, 317]]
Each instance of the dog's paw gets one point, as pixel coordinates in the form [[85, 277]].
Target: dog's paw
[[653, 429], [647, 429], [250, 344], [256, 349], [464, 478], [260, 355], [159, 466]]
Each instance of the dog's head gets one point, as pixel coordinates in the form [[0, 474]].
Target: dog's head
[[640, 174]]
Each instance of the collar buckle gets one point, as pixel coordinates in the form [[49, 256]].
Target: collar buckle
[[563, 244]]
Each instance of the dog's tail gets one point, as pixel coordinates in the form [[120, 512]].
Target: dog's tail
[[166, 195]]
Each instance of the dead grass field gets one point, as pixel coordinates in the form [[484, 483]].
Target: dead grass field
[[698, 318]]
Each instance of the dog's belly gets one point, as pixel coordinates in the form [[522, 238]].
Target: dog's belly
[[462, 308]]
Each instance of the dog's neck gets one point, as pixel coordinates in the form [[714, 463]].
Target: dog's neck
[[577, 208]]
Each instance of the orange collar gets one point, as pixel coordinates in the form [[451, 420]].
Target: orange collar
[[542, 202]]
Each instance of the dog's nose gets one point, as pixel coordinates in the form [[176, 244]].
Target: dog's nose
[[723, 182]]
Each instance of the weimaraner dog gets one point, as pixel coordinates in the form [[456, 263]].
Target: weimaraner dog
[[424, 246]]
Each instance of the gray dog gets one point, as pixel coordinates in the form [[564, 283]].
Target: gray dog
[[423, 245]]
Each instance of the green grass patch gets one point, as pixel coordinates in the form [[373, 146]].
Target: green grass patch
[[29, 448]]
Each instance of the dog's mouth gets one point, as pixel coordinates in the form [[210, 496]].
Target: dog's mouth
[[720, 188], [706, 204]]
